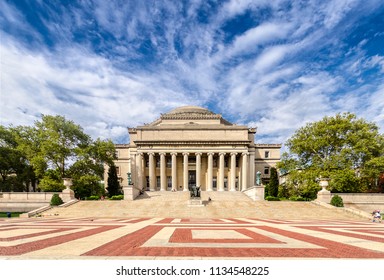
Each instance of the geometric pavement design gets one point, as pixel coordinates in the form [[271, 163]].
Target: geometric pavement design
[[169, 238]]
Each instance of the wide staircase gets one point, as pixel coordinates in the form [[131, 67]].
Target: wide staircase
[[215, 205]]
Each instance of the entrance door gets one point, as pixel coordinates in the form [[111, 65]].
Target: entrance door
[[191, 178]]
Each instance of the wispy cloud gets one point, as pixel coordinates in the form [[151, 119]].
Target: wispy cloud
[[111, 64]]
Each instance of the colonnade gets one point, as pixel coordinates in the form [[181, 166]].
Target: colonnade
[[246, 169]]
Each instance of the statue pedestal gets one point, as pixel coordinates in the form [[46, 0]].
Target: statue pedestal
[[195, 202], [128, 192]]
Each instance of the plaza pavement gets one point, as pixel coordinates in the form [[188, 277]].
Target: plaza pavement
[[163, 226]]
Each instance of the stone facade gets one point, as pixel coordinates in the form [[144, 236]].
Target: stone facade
[[194, 146]]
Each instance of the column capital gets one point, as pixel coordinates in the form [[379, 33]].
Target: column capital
[[173, 154], [151, 153], [222, 154], [245, 154], [198, 154], [140, 154], [210, 153], [185, 154], [162, 153], [233, 154]]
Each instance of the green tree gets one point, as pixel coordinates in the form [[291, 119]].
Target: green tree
[[13, 165], [113, 182], [55, 148], [60, 141], [273, 186], [337, 147]]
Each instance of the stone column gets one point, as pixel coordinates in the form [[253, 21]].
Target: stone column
[[221, 172], [244, 170], [233, 171], [174, 172], [210, 172], [139, 170], [198, 169], [185, 172], [152, 173], [252, 169], [163, 176]]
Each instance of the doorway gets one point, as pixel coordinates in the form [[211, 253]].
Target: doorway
[[191, 178]]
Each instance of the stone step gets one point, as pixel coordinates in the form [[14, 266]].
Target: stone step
[[221, 205]]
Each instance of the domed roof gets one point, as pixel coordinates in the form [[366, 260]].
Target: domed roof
[[191, 114], [190, 109]]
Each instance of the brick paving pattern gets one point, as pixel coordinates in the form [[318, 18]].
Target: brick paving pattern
[[196, 238]]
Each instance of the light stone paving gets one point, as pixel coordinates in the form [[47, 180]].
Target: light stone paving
[[125, 229], [82, 245]]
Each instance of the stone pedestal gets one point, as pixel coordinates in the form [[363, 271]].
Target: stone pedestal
[[195, 202], [67, 194], [324, 195], [128, 192], [260, 192]]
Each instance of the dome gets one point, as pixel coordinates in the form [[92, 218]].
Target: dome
[[190, 109]]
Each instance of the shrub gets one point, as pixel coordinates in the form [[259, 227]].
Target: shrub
[[93, 197], [117, 197], [272, 198], [337, 201], [298, 198], [56, 200]]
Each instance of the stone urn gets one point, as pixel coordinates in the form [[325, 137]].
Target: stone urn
[[324, 183], [67, 194], [324, 195], [67, 183]]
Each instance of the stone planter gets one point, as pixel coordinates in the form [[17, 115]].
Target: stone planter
[[67, 193], [324, 195]]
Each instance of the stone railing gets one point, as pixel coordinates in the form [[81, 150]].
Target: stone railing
[[24, 201], [367, 202], [256, 193], [27, 196]]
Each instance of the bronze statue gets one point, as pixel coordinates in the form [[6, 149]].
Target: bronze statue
[[194, 191]]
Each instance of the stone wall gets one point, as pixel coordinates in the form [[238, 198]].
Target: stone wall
[[362, 201], [24, 201]]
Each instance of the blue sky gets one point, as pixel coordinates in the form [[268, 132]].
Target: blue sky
[[109, 65]]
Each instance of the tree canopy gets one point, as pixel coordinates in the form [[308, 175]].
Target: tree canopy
[[341, 147], [52, 149]]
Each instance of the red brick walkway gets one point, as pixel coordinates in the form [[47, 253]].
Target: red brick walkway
[[189, 238]]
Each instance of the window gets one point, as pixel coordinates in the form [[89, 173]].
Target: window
[[266, 154], [214, 163], [169, 162], [169, 182], [266, 170], [214, 183], [117, 170], [157, 182]]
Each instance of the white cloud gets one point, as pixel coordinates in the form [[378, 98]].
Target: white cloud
[[82, 86]]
